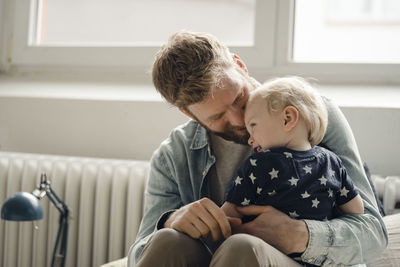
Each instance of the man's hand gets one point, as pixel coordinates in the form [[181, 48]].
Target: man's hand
[[274, 227], [199, 219]]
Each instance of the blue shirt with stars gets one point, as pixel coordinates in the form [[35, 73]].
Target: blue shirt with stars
[[303, 184]]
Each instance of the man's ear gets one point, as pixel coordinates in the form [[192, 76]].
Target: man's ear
[[290, 117], [240, 62], [187, 114]]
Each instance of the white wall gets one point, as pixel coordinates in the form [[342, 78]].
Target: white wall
[[377, 132], [6, 34], [2, 44], [134, 129], [112, 129]]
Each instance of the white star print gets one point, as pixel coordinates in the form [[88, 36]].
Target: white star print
[[288, 155], [259, 189], [293, 181], [253, 162], [245, 202], [318, 154], [273, 193], [305, 195], [238, 180], [293, 214], [273, 173], [331, 172], [315, 203], [330, 193], [252, 177], [307, 169], [323, 180], [344, 191]]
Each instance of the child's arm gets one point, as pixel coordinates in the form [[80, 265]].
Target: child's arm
[[354, 206]]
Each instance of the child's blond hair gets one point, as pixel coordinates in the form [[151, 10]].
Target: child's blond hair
[[297, 92]]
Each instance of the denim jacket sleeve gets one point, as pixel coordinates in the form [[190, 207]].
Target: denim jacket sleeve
[[160, 197], [349, 239], [173, 182]]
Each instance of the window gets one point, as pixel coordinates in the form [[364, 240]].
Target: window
[[357, 31], [142, 22], [331, 40], [127, 33]]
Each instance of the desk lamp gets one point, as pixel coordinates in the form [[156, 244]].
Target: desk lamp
[[24, 206]]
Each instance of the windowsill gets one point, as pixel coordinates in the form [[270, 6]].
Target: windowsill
[[75, 88], [363, 96], [130, 90]]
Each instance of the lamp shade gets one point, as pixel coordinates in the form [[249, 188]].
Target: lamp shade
[[22, 206]]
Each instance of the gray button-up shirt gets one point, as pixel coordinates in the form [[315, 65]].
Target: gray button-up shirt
[[177, 177]]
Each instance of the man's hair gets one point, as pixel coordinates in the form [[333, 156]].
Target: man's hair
[[189, 66], [297, 92]]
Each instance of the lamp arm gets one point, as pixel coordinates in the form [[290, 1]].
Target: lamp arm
[[45, 189], [58, 203], [63, 222], [60, 229]]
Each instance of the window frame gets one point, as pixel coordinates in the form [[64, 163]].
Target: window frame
[[269, 56], [136, 58], [376, 73]]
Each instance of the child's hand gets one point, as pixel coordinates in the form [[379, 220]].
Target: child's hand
[[235, 223], [233, 216], [230, 210]]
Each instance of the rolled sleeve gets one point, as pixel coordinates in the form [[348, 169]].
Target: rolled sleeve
[[163, 218], [320, 240], [348, 240]]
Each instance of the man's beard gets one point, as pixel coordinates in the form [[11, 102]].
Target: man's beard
[[230, 133]]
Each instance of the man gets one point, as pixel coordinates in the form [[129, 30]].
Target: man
[[183, 224]]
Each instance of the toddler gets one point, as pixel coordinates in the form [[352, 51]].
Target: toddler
[[286, 119]]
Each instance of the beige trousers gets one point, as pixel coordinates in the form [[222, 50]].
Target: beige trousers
[[168, 247]]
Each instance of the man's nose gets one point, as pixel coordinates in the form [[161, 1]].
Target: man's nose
[[236, 116]]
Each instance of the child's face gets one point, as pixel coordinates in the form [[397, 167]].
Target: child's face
[[265, 128]]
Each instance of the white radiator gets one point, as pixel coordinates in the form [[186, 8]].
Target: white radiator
[[105, 198]]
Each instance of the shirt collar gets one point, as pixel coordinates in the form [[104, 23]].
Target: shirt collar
[[200, 138]]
